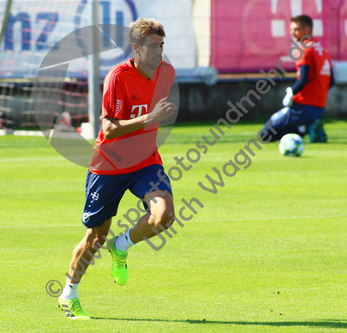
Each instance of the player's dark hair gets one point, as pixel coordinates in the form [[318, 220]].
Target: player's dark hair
[[304, 20], [144, 27]]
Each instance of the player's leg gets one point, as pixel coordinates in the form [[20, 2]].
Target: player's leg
[[295, 119], [154, 188], [82, 256], [316, 132], [84, 252], [322, 136], [102, 200], [311, 120], [279, 123], [159, 217]]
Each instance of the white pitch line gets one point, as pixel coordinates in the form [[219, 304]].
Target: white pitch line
[[193, 220], [31, 159], [38, 226], [272, 218]]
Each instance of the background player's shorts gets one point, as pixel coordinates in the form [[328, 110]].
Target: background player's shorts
[[104, 192], [289, 119]]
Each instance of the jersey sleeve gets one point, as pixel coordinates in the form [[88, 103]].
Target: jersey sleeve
[[169, 74], [113, 97], [302, 80]]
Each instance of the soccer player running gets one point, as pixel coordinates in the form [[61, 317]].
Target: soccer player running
[[305, 101], [126, 157]]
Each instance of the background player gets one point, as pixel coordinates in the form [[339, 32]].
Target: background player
[[305, 101], [126, 157]]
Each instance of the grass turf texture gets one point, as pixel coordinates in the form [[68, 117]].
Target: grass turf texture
[[267, 253]]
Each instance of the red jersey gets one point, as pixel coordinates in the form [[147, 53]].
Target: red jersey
[[316, 90], [127, 95]]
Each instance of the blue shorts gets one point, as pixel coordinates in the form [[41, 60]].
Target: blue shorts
[[288, 120], [104, 192]]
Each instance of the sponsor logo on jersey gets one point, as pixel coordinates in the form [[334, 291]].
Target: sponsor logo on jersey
[[138, 110], [326, 69], [319, 48], [134, 98], [119, 105]]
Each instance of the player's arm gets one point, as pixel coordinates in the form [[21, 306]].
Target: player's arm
[[303, 80], [114, 128], [298, 85], [332, 78]]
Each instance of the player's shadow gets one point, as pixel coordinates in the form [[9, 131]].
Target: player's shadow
[[326, 323]]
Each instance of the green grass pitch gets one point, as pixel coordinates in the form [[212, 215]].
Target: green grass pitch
[[267, 253]]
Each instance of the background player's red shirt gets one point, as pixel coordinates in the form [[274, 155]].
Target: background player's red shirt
[[127, 95], [316, 90]]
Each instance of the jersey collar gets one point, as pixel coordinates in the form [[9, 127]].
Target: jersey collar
[[153, 79]]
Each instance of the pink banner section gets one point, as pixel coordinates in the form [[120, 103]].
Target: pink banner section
[[250, 35]]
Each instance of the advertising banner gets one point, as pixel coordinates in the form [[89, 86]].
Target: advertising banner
[[250, 35], [36, 26]]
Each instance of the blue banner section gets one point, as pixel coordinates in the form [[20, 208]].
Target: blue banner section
[[34, 27]]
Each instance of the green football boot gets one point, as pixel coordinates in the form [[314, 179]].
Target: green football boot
[[316, 132], [72, 308], [119, 266], [322, 137]]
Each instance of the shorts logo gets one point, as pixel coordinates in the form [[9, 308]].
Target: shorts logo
[[119, 105], [85, 217], [95, 196]]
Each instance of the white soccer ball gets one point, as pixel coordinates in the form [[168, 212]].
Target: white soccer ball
[[291, 145]]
